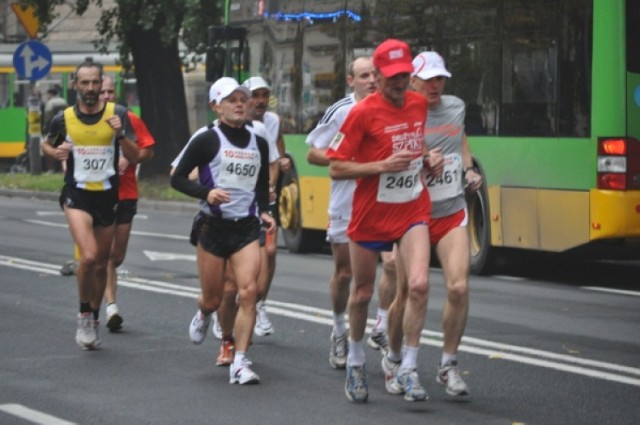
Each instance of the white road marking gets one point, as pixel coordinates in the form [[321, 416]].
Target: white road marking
[[493, 350], [33, 416], [612, 291], [168, 256]]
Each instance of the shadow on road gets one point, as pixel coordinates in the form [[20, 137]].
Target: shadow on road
[[619, 268]]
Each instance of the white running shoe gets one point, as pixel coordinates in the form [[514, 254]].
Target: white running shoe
[[263, 326], [449, 375], [243, 374], [216, 329], [409, 381], [390, 370], [378, 341], [114, 320], [356, 387], [87, 332], [198, 327], [339, 351]]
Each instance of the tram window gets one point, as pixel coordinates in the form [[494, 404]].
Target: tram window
[[528, 88], [476, 80], [574, 99]]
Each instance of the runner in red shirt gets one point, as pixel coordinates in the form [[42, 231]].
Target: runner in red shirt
[[381, 144], [127, 205]]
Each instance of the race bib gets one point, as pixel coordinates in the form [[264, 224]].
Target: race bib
[[449, 183], [401, 187], [93, 163], [239, 169]]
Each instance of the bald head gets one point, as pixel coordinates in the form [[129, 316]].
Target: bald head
[[108, 92], [361, 77]]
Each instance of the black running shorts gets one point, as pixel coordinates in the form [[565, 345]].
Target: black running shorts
[[101, 205], [127, 209], [222, 237]]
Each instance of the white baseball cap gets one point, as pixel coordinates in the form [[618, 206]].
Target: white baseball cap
[[224, 87], [255, 83], [428, 65]]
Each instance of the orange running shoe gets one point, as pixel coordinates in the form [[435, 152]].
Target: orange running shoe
[[227, 351]]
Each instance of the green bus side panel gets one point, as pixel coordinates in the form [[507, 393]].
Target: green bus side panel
[[536, 163], [633, 105], [515, 162], [14, 126], [297, 148], [609, 71]]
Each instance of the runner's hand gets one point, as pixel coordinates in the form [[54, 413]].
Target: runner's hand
[[217, 197], [399, 161], [63, 150], [473, 179], [434, 162], [269, 222]]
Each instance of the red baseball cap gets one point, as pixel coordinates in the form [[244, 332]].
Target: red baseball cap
[[393, 57]]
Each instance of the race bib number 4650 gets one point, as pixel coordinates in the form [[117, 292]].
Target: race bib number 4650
[[239, 169]]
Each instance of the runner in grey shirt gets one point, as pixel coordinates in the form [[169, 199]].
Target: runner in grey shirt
[[448, 227]]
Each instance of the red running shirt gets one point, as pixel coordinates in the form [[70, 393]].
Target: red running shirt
[[373, 131], [128, 185]]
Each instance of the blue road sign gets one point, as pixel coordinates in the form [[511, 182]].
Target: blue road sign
[[32, 60]]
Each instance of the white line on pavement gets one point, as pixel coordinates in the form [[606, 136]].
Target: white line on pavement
[[492, 350], [612, 291], [32, 415]]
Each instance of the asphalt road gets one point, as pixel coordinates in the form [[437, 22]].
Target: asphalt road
[[541, 347]]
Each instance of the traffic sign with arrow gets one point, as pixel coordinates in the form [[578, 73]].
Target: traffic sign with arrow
[[32, 60]]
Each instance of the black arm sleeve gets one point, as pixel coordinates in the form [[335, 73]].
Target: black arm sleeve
[[57, 129], [262, 185], [200, 151], [123, 113]]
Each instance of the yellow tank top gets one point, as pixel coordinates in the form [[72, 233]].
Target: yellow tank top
[[93, 150]]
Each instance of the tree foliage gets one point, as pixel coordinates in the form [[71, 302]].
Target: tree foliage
[[147, 35]]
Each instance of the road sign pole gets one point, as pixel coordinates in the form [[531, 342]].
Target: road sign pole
[[35, 136]]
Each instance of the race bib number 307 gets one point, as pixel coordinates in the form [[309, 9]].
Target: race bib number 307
[[93, 163]]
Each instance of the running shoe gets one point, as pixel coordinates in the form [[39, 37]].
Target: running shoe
[[449, 375], [390, 370], [339, 351], [356, 387], [410, 383], [263, 326], [378, 341], [114, 320], [216, 329], [198, 327], [226, 353], [243, 374], [87, 332], [69, 268]]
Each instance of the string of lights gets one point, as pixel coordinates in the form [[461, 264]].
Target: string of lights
[[311, 17]]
